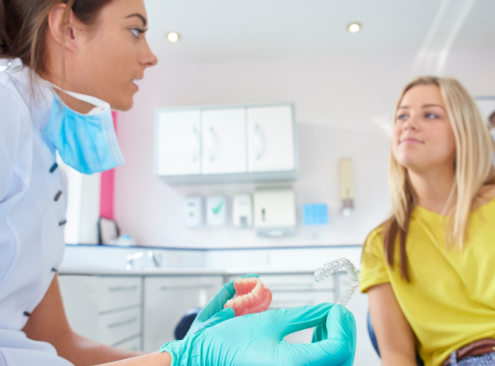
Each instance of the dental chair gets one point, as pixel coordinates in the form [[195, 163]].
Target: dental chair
[[185, 323], [372, 335]]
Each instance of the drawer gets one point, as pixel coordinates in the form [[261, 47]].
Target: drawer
[[119, 325], [300, 298], [133, 344], [119, 292]]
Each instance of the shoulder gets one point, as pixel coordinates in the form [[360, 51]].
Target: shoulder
[[375, 236], [373, 246], [485, 195], [11, 111], [11, 103]]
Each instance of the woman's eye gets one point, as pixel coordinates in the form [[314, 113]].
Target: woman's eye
[[431, 116], [136, 32], [401, 117]]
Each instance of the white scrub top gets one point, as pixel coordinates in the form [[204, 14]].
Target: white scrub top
[[33, 200]]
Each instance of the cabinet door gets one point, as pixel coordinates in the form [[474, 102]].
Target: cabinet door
[[271, 139], [178, 143], [80, 296], [224, 141], [167, 299]]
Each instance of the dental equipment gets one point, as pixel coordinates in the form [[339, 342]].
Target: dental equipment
[[329, 269]]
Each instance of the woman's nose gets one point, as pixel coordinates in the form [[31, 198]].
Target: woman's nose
[[149, 58], [411, 123]]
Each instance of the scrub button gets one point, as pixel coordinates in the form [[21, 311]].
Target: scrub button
[[27, 313], [53, 168], [62, 223], [57, 196]]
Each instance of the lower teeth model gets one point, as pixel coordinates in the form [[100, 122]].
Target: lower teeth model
[[329, 269], [251, 296]]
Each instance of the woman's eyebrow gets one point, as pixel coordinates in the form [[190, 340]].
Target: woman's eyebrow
[[432, 105], [143, 19]]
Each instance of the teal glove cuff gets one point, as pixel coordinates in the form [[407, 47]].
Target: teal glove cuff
[[177, 351]]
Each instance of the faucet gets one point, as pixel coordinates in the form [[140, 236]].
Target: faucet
[[156, 256], [131, 258]]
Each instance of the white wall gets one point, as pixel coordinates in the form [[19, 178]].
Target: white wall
[[341, 104]]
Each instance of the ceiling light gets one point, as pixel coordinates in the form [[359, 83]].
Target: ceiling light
[[354, 27], [173, 37]]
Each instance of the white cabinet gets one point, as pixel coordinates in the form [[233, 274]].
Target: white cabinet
[[81, 300], [224, 141], [178, 143], [167, 299], [228, 144], [271, 139], [119, 325], [104, 309]]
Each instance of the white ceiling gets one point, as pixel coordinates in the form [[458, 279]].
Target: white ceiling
[[226, 30]]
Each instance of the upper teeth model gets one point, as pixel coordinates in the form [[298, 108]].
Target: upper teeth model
[[251, 296], [329, 269]]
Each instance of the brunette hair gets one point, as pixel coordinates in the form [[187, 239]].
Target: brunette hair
[[23, 26], [473, 169]]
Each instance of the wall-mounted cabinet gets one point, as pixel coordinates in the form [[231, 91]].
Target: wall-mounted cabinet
[[228, 144]]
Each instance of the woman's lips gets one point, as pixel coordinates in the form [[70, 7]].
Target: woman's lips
[[410, 140]]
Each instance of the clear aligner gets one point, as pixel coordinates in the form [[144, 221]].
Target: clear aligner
[[329, 269]]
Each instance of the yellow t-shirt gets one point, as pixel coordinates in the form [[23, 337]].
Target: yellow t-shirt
[[450, 300]]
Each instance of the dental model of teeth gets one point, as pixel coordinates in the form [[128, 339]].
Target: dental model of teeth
[[251, 296], [329, 269]]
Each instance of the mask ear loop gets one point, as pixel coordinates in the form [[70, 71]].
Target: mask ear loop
[[329, 269], [83, 97]]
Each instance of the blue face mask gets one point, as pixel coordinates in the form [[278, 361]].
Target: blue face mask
[[85, 142]]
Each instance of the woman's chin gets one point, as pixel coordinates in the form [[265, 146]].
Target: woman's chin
[[123, 105]]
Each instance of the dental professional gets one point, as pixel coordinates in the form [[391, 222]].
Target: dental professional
[[64, 65], [428, 270]]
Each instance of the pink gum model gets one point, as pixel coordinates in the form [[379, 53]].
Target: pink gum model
[[251, 296]]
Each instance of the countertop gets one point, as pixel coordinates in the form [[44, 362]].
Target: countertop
[[178, 271]]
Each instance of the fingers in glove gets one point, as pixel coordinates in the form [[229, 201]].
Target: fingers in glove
[[217, 303], [286, 321]]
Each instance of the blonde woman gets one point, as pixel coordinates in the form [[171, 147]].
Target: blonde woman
[[429, 269]]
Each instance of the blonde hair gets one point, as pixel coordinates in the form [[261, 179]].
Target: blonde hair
[[473, 169]]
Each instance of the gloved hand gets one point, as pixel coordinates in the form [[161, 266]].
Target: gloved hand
[[338, 325], [214, 313], [257, 339]]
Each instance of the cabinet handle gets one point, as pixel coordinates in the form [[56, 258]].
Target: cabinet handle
[[212, 145], [122, 323], [190, 287], [123, 288], [196, 144], [259, 142]]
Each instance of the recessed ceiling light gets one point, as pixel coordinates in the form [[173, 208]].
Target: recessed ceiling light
[[354, 27], [173, 37]]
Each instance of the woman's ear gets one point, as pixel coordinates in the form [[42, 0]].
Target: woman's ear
[[57, 27]]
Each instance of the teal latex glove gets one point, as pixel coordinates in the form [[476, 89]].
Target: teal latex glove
[[214, 313], [257, 339], [338, 325]]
